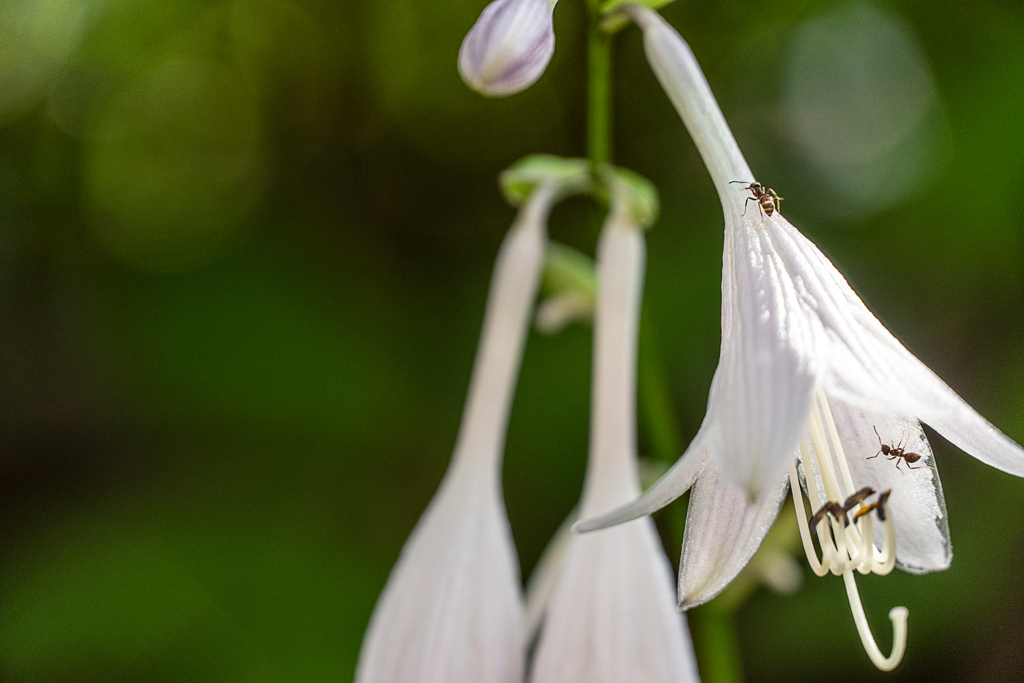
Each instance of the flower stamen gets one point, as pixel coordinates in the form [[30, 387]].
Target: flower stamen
[[898, 617], [846, 542]]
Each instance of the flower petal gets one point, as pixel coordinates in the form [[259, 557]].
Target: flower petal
[[451, 611], [916, 505], [963, 427], [510, 300], [869, 367], [768, 371], [866, 364], [723, 531], [770, 362], [612, 617], [508, 47], [674, 483]]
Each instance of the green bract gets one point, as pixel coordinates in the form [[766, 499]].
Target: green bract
[[520, 179], [639, 192], [616, 20]]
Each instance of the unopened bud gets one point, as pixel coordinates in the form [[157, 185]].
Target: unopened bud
[[508, 47]]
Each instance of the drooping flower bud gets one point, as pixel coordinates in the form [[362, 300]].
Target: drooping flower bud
[[610, 615], [508, 47], [452, 609]]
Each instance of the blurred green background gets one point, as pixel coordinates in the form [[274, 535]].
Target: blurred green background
[[244, 252]]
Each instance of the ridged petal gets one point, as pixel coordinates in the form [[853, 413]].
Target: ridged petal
[[723, 531], [869, 367], [674, 483], [612, 617], [451, 611], [916, 505], [973, 434], [770, 361], [768, 371]]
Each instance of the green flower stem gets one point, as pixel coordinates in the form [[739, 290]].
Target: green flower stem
[[599, 89], [716, 644], [657, 416], [657, 413]]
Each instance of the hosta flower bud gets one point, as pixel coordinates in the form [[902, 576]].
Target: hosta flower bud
[[508, 47], [610, 616]]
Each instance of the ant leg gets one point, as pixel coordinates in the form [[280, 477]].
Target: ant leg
[[778, 200], [919, 467], [902, 436], [898, 461]]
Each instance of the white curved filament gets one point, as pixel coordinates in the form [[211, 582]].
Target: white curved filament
[[898, 617], [801, 519]]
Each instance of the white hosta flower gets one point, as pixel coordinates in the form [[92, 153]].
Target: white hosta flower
[[611, 616], [809, 387], [452, 610], [508, 47]]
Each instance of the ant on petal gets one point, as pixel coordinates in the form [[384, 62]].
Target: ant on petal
[[767, 200], [897, 453]]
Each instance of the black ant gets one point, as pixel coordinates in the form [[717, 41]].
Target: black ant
[[896, 453], [767, 200]]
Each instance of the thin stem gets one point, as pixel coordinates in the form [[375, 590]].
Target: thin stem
[[657, 419], [657, 409], [716, 644], [599, 89]]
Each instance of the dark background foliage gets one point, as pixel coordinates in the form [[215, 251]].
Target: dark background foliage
[[244, 253]]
